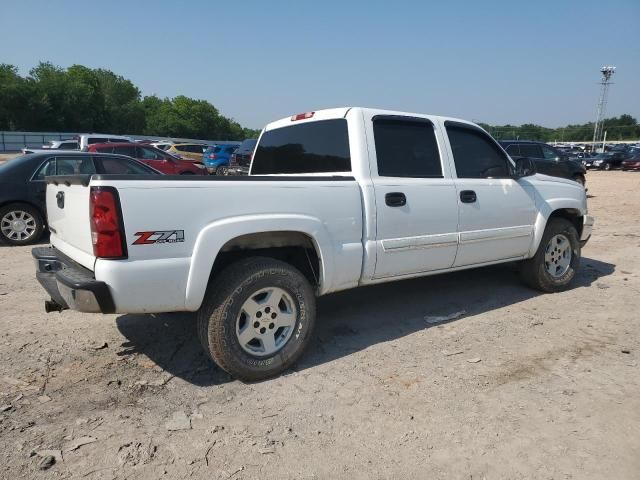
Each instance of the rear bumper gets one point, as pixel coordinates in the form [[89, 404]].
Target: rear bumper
[[587, 229], [70, 285]]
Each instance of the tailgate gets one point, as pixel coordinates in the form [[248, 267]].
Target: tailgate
[[68, 217]]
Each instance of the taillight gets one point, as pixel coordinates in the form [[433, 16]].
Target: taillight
[[107, 231]]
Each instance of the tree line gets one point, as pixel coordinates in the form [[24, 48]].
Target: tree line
[[82, 99], [624, 127]]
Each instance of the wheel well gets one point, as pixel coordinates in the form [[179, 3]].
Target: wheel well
[[572, 215], [295, 248]]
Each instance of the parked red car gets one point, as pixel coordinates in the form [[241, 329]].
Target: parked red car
[[152, 156], [632, 163]]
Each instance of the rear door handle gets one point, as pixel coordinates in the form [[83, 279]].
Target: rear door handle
[[468, 196], [395, 199]]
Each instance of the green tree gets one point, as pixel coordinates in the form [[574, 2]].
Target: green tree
[[124, 112], [14, 98]]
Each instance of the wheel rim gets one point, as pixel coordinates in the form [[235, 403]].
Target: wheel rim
[[18, 225], [557, 255], [266, 321]]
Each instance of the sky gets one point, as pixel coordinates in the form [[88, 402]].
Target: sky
[[491, 61]]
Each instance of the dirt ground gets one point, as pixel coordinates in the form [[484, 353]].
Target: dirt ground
[[522, 385]]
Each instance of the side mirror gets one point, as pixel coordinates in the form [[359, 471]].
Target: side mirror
[[525, 167]]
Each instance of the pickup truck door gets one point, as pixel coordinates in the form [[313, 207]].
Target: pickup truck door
[[415, 197], [496, 212]]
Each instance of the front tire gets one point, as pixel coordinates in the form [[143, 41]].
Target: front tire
[[20, 224], [555, 264], [257, 318]]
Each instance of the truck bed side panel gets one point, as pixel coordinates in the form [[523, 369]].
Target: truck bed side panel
[[175, 229]]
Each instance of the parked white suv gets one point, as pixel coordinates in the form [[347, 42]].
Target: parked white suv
[[90, 138], [335, 199]]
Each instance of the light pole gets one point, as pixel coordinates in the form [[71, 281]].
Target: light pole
[[607, 72]]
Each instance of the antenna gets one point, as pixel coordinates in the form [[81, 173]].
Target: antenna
[[607, 73]]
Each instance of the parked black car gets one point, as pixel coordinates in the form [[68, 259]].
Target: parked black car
[[548, 160], [22, 187], [607, 160], [240, 160]]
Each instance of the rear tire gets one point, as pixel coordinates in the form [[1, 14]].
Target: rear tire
[[20, 224], [554, 266], [222, 170], [257, 318]]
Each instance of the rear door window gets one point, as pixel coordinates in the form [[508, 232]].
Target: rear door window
[[531, 150], [549, 153], [475, 154], [129, 151], [104, 149], [121, 166], [406, 147], [513, 150], [149, 154], [315, 147], [48, 168], [74, 166]]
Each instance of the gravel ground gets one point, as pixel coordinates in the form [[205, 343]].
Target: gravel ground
[[521, 385]]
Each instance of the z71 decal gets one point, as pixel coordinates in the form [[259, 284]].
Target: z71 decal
[[162, 236]]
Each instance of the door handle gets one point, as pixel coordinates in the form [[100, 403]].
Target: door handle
[[395, 199], [468, 196]]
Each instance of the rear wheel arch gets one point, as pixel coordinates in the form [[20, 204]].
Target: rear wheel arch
[[295, 248], [297, 239]]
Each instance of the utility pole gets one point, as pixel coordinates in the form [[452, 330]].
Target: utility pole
[[607, 72]]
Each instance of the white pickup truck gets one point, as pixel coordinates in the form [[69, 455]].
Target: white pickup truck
[[335, 199]]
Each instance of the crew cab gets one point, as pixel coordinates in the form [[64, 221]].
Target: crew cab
[[335, 199]]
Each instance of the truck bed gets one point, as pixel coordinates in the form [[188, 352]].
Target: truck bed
[[176, 225]]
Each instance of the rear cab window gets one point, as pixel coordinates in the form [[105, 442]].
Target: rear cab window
[[313, 147]]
